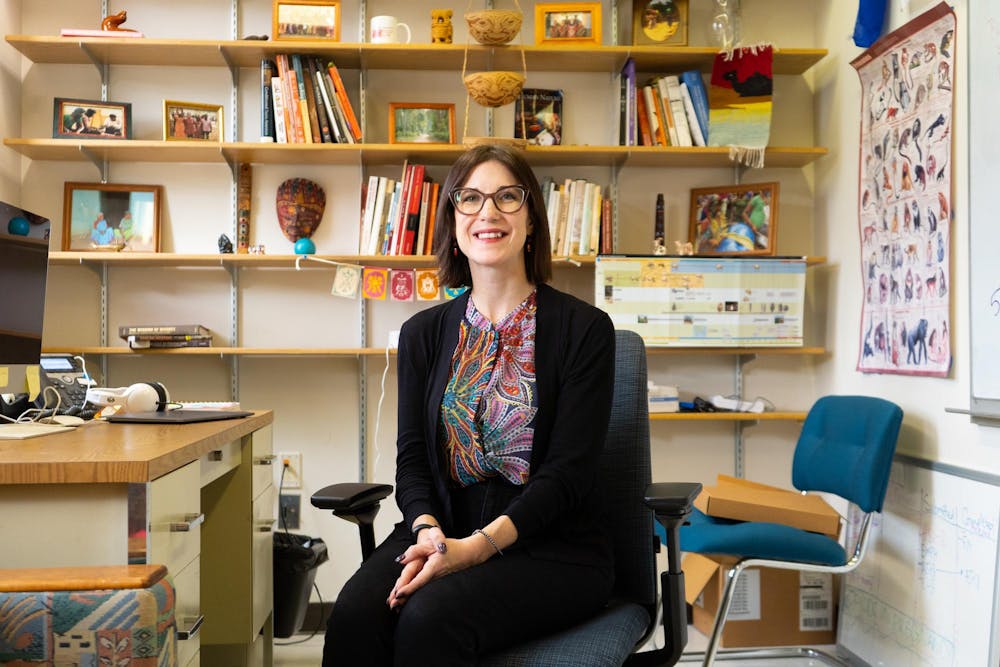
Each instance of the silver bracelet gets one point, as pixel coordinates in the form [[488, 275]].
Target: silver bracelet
[[489, 538]]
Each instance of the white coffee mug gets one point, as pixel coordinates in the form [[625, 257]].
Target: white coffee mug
[[385, 30]]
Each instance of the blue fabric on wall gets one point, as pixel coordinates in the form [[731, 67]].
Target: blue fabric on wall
[[871, 18]]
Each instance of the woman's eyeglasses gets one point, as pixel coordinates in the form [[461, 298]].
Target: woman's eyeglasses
[[470, 201]]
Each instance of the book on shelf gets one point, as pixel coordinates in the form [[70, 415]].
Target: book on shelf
[[627, 129], [289, 99], [267, 128], [345, 102], [432, 218], [654, 113], [126, 330], [538, 114], [83, 32], [298, 86], [607, 232], [699, 98], [692, 117], [640, 112], [278, 98], [166, 342], [317, 112], [677, 110], [330, 105], [668, 115]]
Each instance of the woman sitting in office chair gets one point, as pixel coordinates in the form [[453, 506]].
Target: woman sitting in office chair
[[504, 401]]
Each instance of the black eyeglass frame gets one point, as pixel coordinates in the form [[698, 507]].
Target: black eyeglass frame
[[492, 195]]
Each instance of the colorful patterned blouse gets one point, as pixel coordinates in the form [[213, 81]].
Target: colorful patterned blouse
[[489, 405]]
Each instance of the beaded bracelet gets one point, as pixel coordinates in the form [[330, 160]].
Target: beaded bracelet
[[489, 539]]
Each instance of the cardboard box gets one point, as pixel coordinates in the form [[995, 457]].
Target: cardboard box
[[732, 498], [770, 607]]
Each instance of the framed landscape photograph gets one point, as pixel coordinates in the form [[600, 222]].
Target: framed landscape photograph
[[306, 19], [421, 123], [735, 219], [191, 121], [106, 216], [91, 119], [660, 22], [570, 23]]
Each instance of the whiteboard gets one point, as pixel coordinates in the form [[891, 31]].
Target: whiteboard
[[926, 591], [984, 215]]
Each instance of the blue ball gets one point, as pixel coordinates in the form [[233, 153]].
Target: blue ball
[[18, 226], [305, 246]]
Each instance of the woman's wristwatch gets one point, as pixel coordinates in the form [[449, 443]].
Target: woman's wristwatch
[[420, 526]]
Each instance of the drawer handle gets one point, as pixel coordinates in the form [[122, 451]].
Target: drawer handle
[[265, 460], [264, 525], [215, 455], [192, 630], [189, 522]]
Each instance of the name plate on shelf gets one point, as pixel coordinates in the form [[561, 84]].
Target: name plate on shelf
[[704, 301]]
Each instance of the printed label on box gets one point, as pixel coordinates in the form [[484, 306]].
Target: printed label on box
[[746, 597], [815, 601]]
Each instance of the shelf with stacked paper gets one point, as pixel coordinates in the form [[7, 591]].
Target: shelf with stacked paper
[[124, 150], [248, 53]]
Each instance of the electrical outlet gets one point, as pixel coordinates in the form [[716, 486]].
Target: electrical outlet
[[292, 464], [288, 506]]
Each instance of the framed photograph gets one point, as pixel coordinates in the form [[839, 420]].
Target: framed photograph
[[106, 216], [568, 23], [91, 119], [735, 219], [184, 121], [421, 123], [660, 22], [306, 19]]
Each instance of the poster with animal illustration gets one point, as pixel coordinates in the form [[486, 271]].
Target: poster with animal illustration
[[905, 195]]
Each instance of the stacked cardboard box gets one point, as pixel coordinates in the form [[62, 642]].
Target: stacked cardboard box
[[771, 607]]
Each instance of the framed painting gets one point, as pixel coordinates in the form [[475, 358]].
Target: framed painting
[[106, 216], [735, 219], [421, 123], [306, 19], [74, 118], [660, 22]]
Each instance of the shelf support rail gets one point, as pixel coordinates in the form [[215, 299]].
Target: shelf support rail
[[101, 164]]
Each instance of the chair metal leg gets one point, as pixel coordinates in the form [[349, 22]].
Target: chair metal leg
[[722, 614]]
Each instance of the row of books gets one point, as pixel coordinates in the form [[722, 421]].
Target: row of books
[[398, 215], [668, 110], [579, 217], [304, 101], [149, 336]]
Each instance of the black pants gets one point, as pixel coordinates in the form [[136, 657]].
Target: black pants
[[455, 619]]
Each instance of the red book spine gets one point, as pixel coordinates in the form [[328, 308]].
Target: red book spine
[[413, 210]]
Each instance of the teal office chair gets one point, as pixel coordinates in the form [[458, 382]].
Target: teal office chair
[[611, 638], [846, 448]]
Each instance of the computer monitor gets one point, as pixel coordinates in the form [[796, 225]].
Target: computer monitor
[[24, 254]]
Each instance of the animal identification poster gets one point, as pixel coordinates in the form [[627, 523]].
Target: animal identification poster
[[907, 82], [703, 301]]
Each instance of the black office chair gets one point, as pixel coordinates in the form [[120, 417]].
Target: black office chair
[[612, 637]]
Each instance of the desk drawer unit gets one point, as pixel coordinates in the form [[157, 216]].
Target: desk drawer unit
[[188, 614], [173, 508], [219, 461]]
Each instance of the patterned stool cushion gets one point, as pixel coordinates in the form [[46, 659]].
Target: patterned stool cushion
[[90, 628]]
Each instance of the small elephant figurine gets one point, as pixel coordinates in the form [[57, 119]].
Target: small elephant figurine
[[441, 29]]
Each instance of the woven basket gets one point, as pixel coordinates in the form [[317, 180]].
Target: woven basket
[[494, 89], [493, 26]]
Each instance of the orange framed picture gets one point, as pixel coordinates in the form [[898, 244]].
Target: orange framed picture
[[306, 19], [111, 216], [568, 23], [735, 219], [191, 121], [421, 123]]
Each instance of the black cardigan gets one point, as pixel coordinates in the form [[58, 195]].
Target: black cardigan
[[559, 514]]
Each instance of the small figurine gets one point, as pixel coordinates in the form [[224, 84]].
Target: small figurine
[[259, 38], [441, 30], [684, 248], [659, 242], [225, 245], [112, 22]]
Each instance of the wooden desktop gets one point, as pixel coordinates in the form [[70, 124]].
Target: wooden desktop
[[197, 498]]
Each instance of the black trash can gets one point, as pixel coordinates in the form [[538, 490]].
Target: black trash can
[[296, 558]]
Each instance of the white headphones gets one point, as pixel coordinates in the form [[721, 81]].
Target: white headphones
[[139, 397]]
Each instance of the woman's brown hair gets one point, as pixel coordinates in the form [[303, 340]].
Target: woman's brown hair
[[453, 268]]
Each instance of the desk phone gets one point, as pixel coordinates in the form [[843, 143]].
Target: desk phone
[[65, 374]]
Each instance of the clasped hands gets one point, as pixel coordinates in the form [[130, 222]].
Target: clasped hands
[[432, 557]]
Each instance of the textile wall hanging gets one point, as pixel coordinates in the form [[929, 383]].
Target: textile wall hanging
[[739, 102], [905, 195]]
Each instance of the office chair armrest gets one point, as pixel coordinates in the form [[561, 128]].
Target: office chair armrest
[[671, 499], [349, 498], [356, 502]]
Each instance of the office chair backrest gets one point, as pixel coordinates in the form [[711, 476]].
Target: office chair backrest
[[625, 473], [846, 447]]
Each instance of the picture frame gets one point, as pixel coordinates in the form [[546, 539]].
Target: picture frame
[[568, 23], [735, 219], [75, 118], [660, 22], [306, 19], [421, 123], [192, 121], [111, 216]]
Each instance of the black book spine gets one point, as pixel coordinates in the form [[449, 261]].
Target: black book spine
[[267, 100]]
